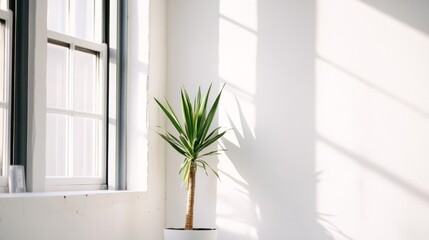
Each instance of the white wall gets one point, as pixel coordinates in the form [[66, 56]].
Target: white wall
[[81, 216], [329, 103], [147, 71]]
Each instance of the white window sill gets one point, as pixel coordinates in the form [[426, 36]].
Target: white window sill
[[140, 195]]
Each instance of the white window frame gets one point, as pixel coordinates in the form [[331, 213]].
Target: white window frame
[[6, 16], [83, 183]]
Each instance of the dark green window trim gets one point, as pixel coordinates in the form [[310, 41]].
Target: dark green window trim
[[122, 93], [19, 98]]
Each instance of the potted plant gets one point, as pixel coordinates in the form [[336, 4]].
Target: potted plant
[[191, 140]]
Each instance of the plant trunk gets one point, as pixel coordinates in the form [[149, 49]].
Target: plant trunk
[[189, 224]]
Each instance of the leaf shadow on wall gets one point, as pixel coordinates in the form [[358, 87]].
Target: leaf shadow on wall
[[279, 212]]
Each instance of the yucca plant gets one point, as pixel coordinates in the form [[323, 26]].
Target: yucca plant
[[192, 139]]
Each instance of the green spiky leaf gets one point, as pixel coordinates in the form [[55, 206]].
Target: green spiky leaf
[[194, 136]]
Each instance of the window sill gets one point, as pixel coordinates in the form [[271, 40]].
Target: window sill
[[139, 195]]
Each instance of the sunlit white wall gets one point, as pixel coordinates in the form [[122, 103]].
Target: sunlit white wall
[[138, 58], [372, 123], [328, 103], [238, 39], [264, 52]]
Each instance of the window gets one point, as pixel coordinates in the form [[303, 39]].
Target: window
[[5, 91], [76, 89]]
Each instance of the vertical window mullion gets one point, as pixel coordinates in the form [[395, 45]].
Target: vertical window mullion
[[95, 129]]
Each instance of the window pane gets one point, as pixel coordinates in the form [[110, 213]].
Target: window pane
[[4, 4], [74, 91], [84, 25], [87, 147], [58, 15], [3, 98], [56, 76], [56, 145], [87, 87], [3, 82], [4, 123]]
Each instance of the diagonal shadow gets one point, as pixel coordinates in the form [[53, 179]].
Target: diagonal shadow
[[329, 225], [378, 89], [411, 12], [368, 164]]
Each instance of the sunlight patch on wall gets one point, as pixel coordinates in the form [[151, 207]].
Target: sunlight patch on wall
[[237, 55], [242, 12], [239, 115], [365, 120], [372, 123], [237, 215], [357, 199], [237, 227], [339, 192], [237, 61], [229, 174], [138, 58], [380, 49]]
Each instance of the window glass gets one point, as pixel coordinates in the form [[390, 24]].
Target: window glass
[[77, 18], [56, 145], [4, 106], [58, 15], [74, 129], [80, 157], [87, 147], [4, 125], [84, 20], [57, 89], [4, 4], [87, 86], [3, 81]]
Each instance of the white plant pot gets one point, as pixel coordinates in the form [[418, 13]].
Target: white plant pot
[[196, 234]]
